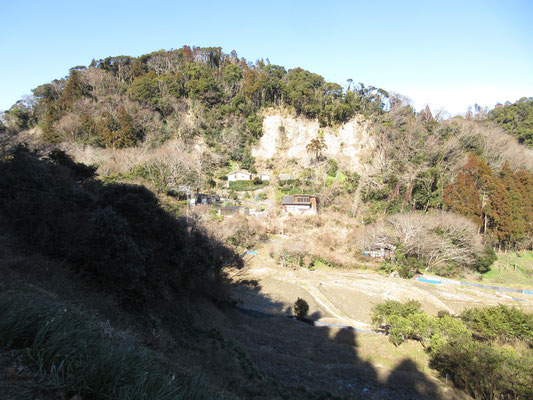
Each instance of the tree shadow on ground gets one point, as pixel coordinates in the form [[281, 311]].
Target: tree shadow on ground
[[407, 375], [311, 361]]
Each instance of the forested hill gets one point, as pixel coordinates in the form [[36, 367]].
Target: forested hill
[[119, 101], [516, 119], [202, 98]]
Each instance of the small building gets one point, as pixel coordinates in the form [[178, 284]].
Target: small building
[[284, 177], [264, 177], [239, 175], [232, 211], [300, 204], [381, 250]]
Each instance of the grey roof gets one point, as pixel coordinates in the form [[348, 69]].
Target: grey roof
[[287, 199], [290, 199], [240, 170]]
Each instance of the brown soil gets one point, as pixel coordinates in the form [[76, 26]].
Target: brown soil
[[347, 296]]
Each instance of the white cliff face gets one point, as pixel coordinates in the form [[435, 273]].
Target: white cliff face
[[287, 137]]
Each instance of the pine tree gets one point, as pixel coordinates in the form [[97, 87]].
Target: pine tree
[[524, 183], [516, 218]]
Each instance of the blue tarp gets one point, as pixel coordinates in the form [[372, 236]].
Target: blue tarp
[[428, 280], [474, 284]]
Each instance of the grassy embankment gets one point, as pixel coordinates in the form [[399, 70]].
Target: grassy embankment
[[512, 269], [65, 353]]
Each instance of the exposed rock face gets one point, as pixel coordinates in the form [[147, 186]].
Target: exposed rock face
[[287, 137]]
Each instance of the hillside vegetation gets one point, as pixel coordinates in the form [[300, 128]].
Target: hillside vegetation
[[115, 234], [209, 106]]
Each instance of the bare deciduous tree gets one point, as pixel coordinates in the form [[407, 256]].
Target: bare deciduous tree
[[439, 238], [69, 126]]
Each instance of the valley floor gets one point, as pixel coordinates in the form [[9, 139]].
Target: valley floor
[[347, 296]]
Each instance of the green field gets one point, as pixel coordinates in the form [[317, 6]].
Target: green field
[[512, 268], [243, 186]]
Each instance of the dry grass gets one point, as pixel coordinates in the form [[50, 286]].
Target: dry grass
[[328, 237]]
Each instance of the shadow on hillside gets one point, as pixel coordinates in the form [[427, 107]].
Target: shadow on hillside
[[315, 361], [125, 246], [407, 375]]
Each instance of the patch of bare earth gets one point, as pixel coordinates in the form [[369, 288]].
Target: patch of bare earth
[[348, 296]]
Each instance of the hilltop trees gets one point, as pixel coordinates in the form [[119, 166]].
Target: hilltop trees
[[202, 94], [223, 89], [516, 119]]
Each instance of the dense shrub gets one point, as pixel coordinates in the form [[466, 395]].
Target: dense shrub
[[460, 350], [485, 372], [301, 308], [405, 265], [485, 260], [499, 322], [383, 312]]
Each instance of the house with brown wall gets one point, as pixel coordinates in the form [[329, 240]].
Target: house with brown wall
[[300, 204]]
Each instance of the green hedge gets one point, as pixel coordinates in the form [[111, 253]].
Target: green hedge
[[244, 186]]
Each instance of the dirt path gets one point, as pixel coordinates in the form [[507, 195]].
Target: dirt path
[[347, 296]]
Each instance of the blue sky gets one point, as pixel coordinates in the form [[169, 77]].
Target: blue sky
[[447, 54]]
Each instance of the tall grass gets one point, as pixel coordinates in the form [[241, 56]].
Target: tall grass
[[75, 357]]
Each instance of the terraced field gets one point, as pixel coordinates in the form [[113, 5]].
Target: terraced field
[[347, 296]]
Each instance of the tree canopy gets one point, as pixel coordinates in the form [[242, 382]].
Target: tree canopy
[[516, 119]]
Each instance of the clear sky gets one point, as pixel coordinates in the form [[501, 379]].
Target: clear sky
[[448, 54]]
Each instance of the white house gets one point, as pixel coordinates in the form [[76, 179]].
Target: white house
[[264, 177], [239, 175]]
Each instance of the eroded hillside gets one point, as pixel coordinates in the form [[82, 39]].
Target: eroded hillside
[[287, 136]]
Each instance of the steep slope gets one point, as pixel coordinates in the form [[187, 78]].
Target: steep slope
[[287, 136]]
